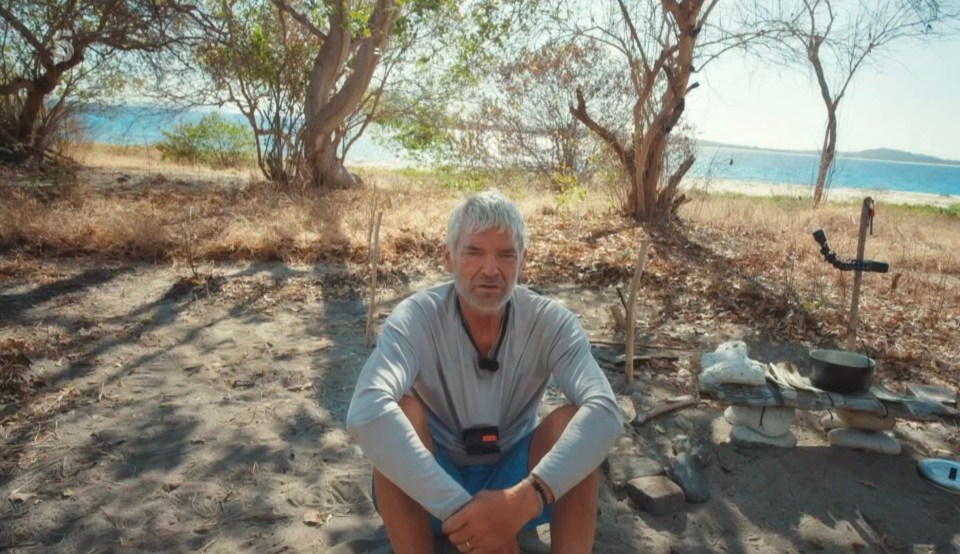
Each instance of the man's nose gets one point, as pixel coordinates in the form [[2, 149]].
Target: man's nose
[[490, 265]]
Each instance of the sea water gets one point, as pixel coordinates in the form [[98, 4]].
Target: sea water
[[145, 125], [795, 168]]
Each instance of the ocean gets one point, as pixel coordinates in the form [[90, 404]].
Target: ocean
[[145, 125]]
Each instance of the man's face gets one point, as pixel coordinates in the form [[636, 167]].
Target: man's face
[[485, 268]]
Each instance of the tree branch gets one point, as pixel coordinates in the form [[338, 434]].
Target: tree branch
[[580, 112], [302, 19]]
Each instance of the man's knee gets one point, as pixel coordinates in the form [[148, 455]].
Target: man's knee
[[413, 409], [548, 432], [556, 422]]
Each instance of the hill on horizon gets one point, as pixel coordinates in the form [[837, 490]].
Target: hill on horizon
[[882, 154]]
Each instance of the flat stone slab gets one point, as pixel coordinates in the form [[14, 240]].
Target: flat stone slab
[[657, 495], [871, 441], [864, 421], [622, 467], [769, 421], [745, 436]]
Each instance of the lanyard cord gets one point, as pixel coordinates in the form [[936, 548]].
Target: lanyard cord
[[489, 364]]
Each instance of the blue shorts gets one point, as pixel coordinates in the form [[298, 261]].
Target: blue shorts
[[510, 470]]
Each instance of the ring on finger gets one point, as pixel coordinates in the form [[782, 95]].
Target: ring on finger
[[468, 545]]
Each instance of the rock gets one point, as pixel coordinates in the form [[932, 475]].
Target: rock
[[622, 467], [872, 441], [730, 364], [864, 421], [699, 450], [769, 421], [626, 407], [656, 495], [745, 436], [736, 349], [692, 479], [830, 421]]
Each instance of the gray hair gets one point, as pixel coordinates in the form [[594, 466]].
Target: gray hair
[[486, 210]]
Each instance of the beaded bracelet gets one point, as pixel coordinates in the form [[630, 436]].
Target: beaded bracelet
[[541, 494]]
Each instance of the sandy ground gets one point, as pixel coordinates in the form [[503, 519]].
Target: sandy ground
[[176, 415]]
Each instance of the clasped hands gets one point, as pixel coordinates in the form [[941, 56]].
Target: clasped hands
[[491, 521]]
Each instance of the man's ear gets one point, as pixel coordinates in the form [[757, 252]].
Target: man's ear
[[523, 260], [447, 259]]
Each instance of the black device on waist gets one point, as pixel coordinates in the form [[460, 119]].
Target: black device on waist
[[482, 440]]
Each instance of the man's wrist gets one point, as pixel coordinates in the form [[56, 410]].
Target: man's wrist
[[532, 506], [541, 488]]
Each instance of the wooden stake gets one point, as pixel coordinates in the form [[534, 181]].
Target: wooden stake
[[631, 305], [374, 262], [858, 275]]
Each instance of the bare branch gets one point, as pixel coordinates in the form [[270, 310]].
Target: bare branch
[[302, 19]]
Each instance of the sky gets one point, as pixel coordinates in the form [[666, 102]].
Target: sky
[[908, 99]]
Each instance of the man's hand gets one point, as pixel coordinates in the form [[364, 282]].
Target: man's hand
[[490, 522]]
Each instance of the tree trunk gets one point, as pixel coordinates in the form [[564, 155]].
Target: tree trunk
[[28, 137], [827, 154], [326, 107], [653, 146]]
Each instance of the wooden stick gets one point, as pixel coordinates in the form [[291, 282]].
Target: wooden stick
[[858, 275], [619, 322], [631, 308], [669, 406], [374, 262]]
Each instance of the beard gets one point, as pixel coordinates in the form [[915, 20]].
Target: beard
[[484, 300]]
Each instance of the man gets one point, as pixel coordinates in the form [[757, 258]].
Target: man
[[446, 406]]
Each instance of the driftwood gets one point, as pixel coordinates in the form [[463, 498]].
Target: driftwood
[[631, 306], [619, 344], [619, 321], [935, 393], [878, 401], [670, 405]]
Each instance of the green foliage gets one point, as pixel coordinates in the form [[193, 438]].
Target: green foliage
[[213, 141], [570, 190]]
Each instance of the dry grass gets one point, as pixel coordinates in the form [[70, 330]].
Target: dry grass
[[746, 259]]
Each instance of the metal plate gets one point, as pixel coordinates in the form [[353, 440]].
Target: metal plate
[[941, 472]]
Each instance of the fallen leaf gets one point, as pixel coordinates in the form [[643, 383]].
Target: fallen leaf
[[17, 496], [867, 484], [67, 493], [314, 517]]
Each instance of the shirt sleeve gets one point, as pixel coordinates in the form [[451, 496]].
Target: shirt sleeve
[[597, 424], [384, 433]]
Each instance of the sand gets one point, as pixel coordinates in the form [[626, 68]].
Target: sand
[[208, 417]]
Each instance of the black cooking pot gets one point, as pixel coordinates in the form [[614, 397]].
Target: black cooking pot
[[841, 371]]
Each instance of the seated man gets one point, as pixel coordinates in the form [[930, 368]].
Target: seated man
[[446, 406]]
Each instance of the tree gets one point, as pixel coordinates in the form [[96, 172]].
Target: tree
[[45, 41], [255, 56], [353, 38], [836, 40], [663, 42]]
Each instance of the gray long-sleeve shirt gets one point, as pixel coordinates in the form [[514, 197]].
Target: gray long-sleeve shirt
[[425, 351]]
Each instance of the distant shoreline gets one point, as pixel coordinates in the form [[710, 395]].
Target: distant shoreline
[[881, 196], [712, 185], [900, 156]]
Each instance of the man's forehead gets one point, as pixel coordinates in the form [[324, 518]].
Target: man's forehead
[[486, 236]]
